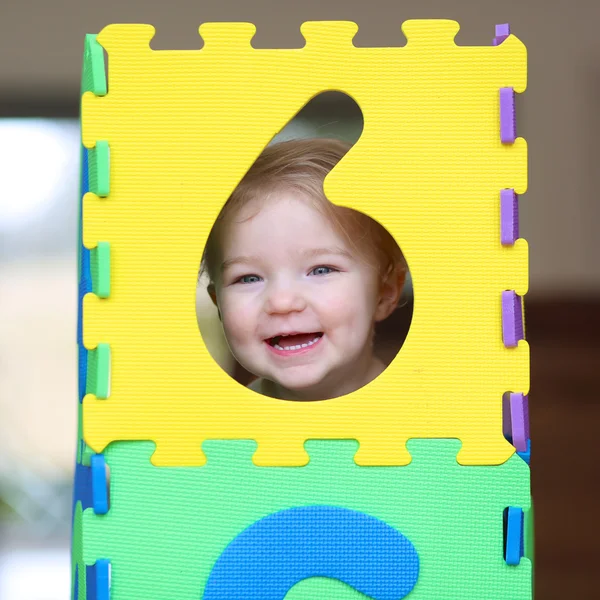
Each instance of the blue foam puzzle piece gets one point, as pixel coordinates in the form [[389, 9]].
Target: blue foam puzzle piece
[[98, 580], [514, 535], [82, 488], [102, 579], [273, 554], [526, 456], [99, 484], [90, 583]]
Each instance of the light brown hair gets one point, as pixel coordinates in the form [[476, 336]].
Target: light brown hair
[[301, 165]]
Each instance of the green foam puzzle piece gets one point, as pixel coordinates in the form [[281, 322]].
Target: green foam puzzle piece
[[529, 549], [100, 269], [77, 554], [86, 455], [167, 525], [93, 78], [99, 168], [98, 371]]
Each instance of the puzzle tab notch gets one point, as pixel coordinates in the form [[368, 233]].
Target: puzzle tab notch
[[508, 121], [502, 33], [98, 371], [509, 217], [99, 481], [227, 36], [515, 535], [99, 168], [94, 73], [98, 580], [100, 269], [512, 319]]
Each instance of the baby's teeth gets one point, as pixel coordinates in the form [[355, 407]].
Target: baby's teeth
[[278, 347]]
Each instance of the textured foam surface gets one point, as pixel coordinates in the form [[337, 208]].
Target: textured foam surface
[[453, 515], [270, 556], [182, 133]]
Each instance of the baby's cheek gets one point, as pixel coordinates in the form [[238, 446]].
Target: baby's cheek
[[345, 304], [348, 314], [238, 323]]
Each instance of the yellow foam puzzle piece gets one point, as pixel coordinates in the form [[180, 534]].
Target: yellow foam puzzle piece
[[184, 127]]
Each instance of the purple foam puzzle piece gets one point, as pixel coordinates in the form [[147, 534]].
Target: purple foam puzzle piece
[[502, 32], [508, 124], [512, 319], [509, 217], [506, 423], [519, 418]]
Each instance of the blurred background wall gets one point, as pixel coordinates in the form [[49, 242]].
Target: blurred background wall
[[41, 45]]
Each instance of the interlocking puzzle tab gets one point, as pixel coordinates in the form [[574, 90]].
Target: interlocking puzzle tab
[[409, 487]]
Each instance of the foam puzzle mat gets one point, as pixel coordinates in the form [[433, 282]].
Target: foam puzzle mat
[[189, 485]]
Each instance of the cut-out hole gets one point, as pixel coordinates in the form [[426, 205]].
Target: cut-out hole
[[299, 281]]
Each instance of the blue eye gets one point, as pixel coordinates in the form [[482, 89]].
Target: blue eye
[[323, 270], [248, 279]]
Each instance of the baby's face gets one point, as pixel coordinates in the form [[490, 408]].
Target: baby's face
[[298, 307]]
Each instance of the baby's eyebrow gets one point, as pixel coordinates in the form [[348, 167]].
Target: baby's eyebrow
[[314, 252], [308, 253], [239, 260]]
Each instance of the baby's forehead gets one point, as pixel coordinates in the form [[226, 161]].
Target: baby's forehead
[[256, 212]]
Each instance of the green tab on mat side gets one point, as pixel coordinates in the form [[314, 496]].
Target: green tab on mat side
[[77, 564], [98, 371], [100, 269], [93, 78], [86, 455], [529, 534], [99, 168]]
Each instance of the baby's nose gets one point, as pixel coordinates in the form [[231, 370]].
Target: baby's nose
[[285, 299]]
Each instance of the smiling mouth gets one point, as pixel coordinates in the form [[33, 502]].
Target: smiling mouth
[[296, 341]]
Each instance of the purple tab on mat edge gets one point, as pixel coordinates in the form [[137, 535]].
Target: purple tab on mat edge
[[526, 408], [519, 416], [512, 319], [502, 32], [509, 217], [508, 125], [506, 423]]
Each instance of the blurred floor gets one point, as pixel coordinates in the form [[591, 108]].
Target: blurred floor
[[36, 574]]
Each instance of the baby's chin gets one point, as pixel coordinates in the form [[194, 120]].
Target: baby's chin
[[291, 388]]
